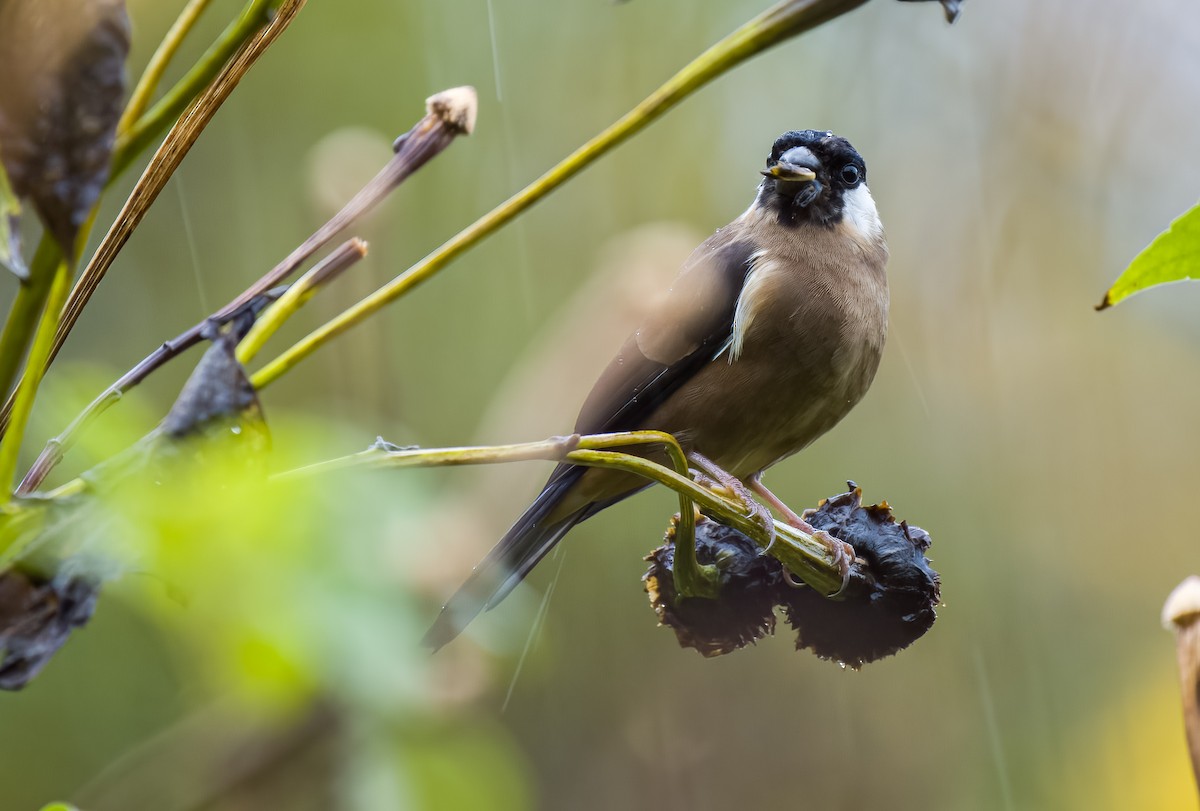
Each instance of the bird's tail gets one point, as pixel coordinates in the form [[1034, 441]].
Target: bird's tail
[[528, 541]]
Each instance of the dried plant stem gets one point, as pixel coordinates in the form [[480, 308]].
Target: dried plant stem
[[1181, 613], [140, 98], [773, 26], [166, 161]]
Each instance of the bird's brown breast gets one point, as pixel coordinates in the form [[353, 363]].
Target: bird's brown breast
[[815, 333]]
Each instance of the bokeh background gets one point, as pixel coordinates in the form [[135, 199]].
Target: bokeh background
[[1019, 159]]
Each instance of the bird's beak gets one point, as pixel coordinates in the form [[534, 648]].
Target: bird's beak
[[790, 172]]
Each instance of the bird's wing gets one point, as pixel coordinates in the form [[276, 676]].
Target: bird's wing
[[686, 331], [683, 333]]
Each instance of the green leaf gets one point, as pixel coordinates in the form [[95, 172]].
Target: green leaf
[[1173, 256], [59, 807]]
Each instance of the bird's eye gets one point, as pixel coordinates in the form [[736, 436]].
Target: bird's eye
[[850, 174]]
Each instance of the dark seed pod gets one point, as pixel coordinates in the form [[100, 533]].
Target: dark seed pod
[[745, 610], [888, 616], [889, 604], [36, 617]]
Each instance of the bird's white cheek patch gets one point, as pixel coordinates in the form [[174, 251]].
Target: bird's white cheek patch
[[860, 215]]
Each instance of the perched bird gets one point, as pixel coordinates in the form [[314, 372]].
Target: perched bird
[[770, 334]]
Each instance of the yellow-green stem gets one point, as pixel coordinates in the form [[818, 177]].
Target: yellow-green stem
[[23, 316], [295, 297], [132, 138], [139, 99], [771, 27], [691, 578], [32, 378], [138, 135], [803, 555]]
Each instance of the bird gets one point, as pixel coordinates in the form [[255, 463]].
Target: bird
[[769, 335]]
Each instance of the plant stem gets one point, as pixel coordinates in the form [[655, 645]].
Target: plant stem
[[131, 141], [271, 319], [774, 25], [139, 100], [32, 378], [803, 555], [692, 579], [1181, 613], [23, 316]]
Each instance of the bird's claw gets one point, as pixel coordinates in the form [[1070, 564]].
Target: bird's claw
[[761, 514], [843, 557], [707, 474]]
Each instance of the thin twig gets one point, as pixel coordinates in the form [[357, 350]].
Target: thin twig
[[448, 115], [769, 28], [271, 319], [140, 98], [166, 161]]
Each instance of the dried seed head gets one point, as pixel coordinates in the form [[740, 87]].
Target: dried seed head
[[456, 107]]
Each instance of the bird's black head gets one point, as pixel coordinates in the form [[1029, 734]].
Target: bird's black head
[[811, 176]]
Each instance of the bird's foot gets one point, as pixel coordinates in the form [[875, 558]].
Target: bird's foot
[[841, 552], [708, 474], [843, 557]]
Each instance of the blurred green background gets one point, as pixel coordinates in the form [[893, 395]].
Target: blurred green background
[[1019, 159]]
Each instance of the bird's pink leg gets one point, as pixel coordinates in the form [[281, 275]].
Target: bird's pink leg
[[842, 552]]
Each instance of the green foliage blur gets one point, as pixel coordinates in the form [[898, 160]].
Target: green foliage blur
[[259, 648]]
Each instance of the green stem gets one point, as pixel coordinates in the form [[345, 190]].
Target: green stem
[[27, 389], [776, 24], [23, 316], [691, 578], [295, 297], [145, 129], [805, 556], [139, 100]]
